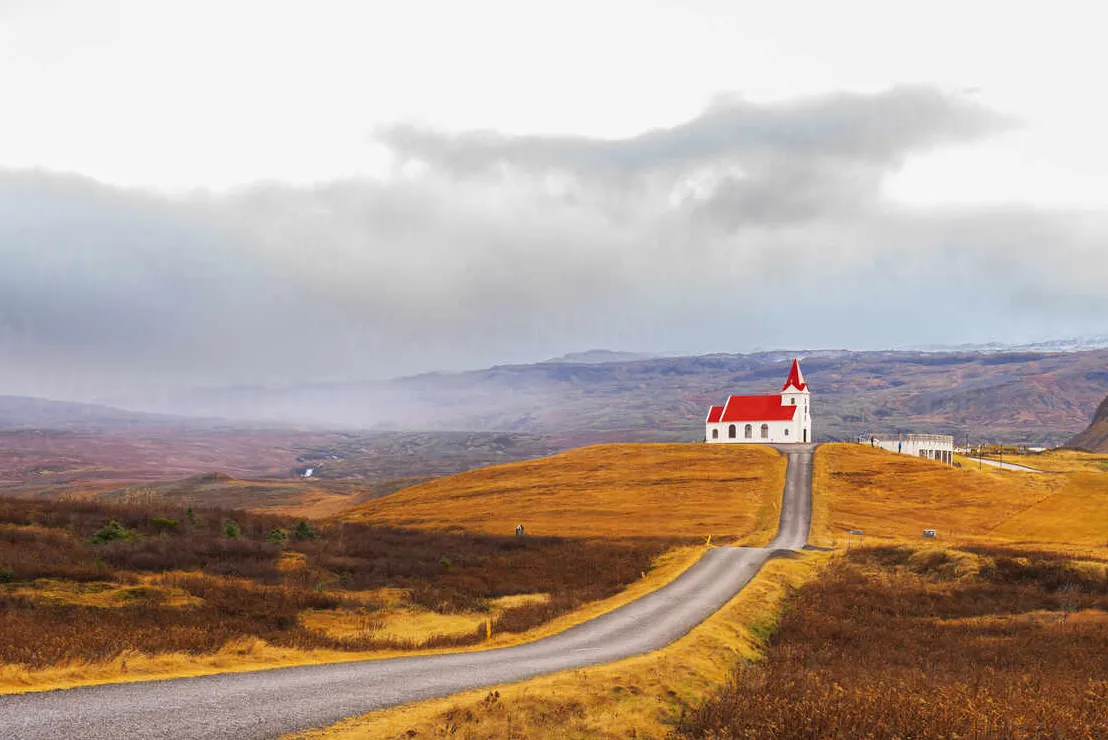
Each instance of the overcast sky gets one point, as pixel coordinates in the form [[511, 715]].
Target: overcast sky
[[204, 193]]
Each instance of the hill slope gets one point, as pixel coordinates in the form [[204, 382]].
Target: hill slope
[[1095, 438], [654, 490], [891, 496]]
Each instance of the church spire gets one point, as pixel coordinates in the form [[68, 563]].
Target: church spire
[[796, 378]]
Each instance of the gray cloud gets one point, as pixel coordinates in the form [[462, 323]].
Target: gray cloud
[[751, 225]]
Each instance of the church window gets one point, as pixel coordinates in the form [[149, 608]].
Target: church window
[[792, 401], [749, 432], [765, 431], [731, 431], [786, 432], [715, 434]]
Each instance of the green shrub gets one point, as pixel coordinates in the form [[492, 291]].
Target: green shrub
[[445, 562], [112, 531], [163, 525], [304, 531], [7, 575], [231, 529], [277, 536]]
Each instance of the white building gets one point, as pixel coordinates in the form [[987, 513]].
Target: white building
[[780, 418], [931, 446]]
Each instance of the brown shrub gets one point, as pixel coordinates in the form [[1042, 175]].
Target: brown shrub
[[244, 592], [877, 650]]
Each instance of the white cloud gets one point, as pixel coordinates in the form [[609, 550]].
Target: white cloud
[[504, 248]]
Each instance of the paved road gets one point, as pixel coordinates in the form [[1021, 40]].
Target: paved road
[[265, 704], [1004, 465]]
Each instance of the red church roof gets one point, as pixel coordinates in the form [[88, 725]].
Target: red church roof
[[796, 379], [756, 408], [714, 413]]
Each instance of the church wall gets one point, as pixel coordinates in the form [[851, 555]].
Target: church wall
[[776, 433]]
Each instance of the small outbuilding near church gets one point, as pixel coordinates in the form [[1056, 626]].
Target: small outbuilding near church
[[780, 418]]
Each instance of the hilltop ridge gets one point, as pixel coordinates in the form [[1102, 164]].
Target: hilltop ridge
[[1095, 437]]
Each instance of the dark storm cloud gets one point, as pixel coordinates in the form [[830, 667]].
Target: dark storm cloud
[[753, 224]]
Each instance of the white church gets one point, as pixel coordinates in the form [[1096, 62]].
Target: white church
[[780, 418]]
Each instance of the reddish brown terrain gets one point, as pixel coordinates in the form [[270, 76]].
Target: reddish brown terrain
[[1014, 397], [1095, 438]]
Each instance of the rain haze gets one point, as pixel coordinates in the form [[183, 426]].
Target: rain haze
[[198, 194]]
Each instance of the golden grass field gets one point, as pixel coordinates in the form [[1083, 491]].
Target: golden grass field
[[609, 491], [893, 496]]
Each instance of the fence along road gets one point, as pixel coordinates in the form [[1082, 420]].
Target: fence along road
[[264, 704]]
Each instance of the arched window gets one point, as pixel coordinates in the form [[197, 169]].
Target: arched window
[[765, 431], [786, 432], [792, 401], [731, 431], [749, 432], [715, 434]]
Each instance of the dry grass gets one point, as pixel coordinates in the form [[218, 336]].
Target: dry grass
[[170, 581], [100, 594], [894, 643], [897, 496], [1076, 515], [604, 491], [407, 625], [247, 653], [639, 697], [1063, 461]]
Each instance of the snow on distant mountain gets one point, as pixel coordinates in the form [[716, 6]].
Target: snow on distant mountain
[[1073, 344]]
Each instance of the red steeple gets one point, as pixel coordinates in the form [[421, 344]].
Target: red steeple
[[796, 378]]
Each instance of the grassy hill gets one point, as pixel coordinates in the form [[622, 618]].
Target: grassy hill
[[892, 496], [649, 490], [1095, 438]]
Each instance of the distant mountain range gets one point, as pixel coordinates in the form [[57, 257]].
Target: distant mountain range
[[1073, 344], [21, 412], [1031, 396]]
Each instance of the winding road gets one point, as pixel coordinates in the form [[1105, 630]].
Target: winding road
[[265, 704]]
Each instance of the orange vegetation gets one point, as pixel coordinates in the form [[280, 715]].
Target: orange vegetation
[[652, 490], [897, 496], [893, 643]]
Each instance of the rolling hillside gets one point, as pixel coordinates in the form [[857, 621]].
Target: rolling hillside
[[895, 497], [604, 491], [1095, 438]]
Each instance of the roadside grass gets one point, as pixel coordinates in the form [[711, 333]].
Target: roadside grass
[[609, 491], [167, 581], [251, 653], [895, 641], [638, 697]]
